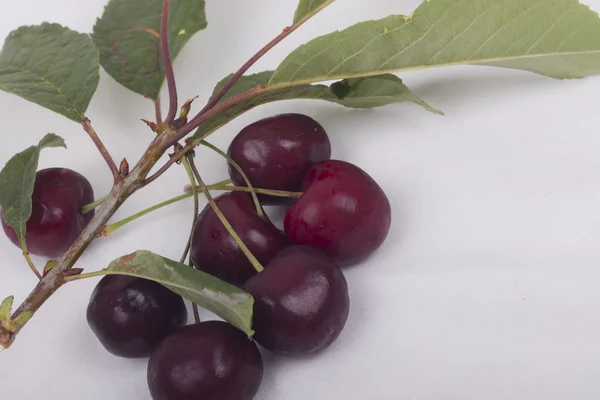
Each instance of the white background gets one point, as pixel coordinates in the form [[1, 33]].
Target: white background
[[487, 288]]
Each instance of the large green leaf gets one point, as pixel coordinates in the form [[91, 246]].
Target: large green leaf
[[227, 301], [369, 92], [308, 7], [557, 38], [128, 36], [52, 66], [16, 184]]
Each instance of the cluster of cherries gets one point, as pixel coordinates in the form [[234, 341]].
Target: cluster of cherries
[[301, 297]]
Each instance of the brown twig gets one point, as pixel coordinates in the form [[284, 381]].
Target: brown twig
[[55, 278]]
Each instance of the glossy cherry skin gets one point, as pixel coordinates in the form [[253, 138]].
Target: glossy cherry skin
[[215, 252], [277, 152], [206, 361], [130, 316], [301, 302], [56, 219], [343, 212]]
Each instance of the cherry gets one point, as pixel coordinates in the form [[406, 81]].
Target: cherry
[[277, 152], [206, 361], [130, 316], [214, 250], [300, 302], [56, 219], [343, 212]]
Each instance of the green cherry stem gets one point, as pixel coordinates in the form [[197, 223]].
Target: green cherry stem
[[255, 263], [108, 229], [92, 206], [72, 278], [268, 192], [186, 161], [239, 169], [30, 262]]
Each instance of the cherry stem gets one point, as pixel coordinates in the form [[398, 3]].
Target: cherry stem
[[108, 229], [267, 192], [87, 126], [92, 206], [30, 262], [255, 263], [196, 313], [158, 110], [259, 209], [72, 278], [186, 161], [167, 62]]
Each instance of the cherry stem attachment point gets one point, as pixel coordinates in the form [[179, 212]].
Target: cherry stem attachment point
[[259, 209], [255, 263], [167, 62], [92, 206]]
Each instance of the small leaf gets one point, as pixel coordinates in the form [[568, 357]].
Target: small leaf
[[557, 38], [128, 36], [52, 66], [49, 265], [306, 8], [16, 184], [5, 309], [227, 301], [369, 92]]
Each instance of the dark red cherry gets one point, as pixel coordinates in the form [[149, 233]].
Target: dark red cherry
[[130, 316], [206, 361], [300, 302], [277, 152], [215, 252], [56, 219], [343, 212]]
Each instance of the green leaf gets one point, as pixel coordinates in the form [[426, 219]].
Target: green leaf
[[369, 92], [16, 184], [52, 66], [128, 36], [556, 38], [227, 301], [307, 8]]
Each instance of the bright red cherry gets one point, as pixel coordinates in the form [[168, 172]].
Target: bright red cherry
[[130, 316], [300, 302], [206, 361], [277, 152], [215, 252], [343, 212], [56, 219]]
